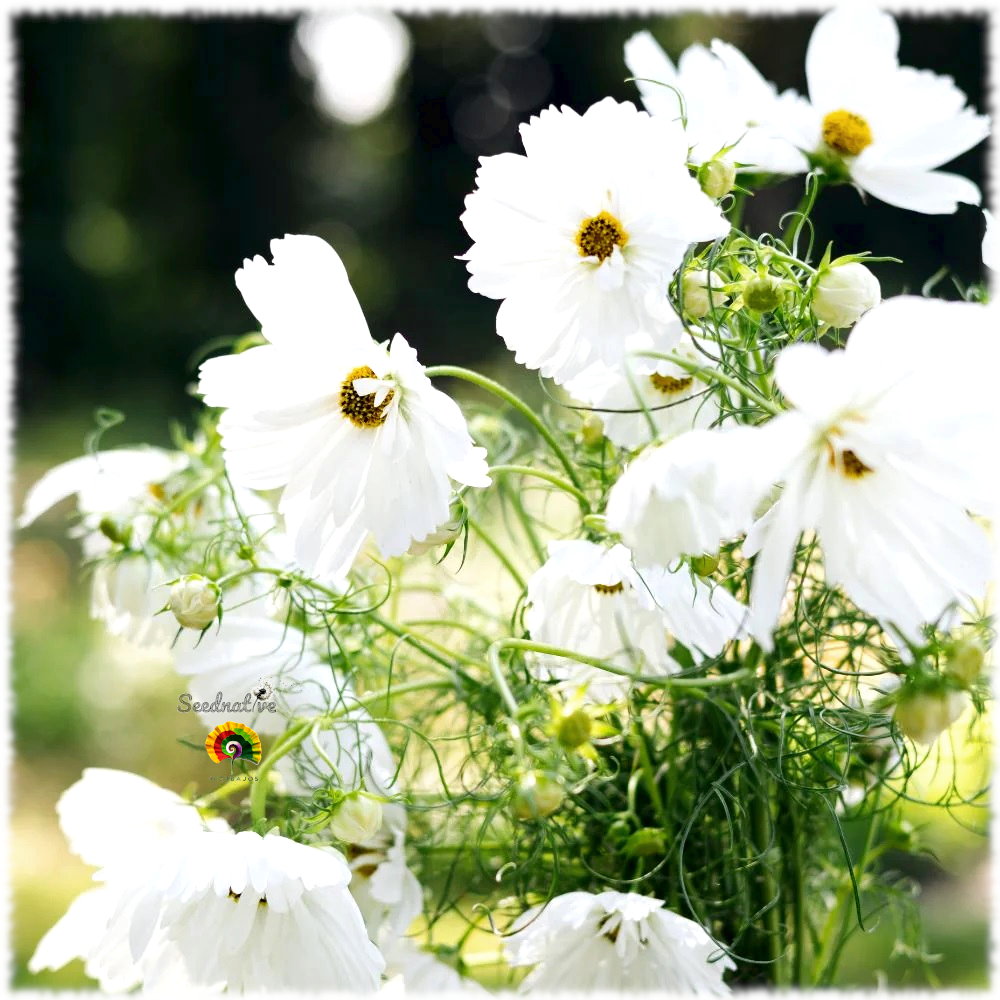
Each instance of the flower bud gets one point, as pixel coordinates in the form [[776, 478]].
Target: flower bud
[[763, 293], [592, 431], [844, 293], [538, 795], [195, 601], [717, 177], [574, 729], [705, 565], [697, 301], [113, 531], [964, 660], [445, 534], [646, 842], [924, 714], [357, 819]]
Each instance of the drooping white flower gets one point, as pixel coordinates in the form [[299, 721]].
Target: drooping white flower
[[890, 126], [579, 237], [645, 398], [107, 817], [843, 293], [591, 600], [883, 458], [991, 242], [588, 943], [726, 102], [688, 495], [355, 434], [247, 912]]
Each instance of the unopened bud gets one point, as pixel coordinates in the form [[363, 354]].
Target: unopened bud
[[717, 177], [592, 431], [357, 819], [702, 290], [644, 843], [964, 660], [574, 729], [762, 293], [113, 531], [705, 565], [538, 795], [194, 601], [924, 715], [844, 293]]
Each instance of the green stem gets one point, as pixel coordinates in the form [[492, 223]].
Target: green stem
[[549, 477], [525, 518], [762, 825], [452, 371]]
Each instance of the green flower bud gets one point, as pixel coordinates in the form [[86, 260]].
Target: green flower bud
[[574, 729], [762, 294], [647, 842], [964, 660], [717, 177], [592, 431], [705, 565], [194, 600], [113, 531], [537, 795], [702, 289], [924, 714]]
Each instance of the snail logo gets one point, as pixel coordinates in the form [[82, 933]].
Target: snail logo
[[233, 741]]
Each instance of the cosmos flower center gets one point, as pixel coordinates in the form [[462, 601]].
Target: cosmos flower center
[[669, 385], [850, 465], [362, 410], [598, 236], [609, 588], [846, 133]]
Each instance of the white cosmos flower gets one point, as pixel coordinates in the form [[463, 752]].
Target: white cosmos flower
[[107, 817], [411, 969], [615, 941], [645, 398], [883, 455], [355, 434], [891, 125], [726, 102], [688, 495], [580, 236], [991, 242], [246, 912], [592, 600]]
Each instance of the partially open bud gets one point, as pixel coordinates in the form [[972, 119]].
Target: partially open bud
[[696, 285], [964, 660], [717, 177], [537, 795], [194, 601], [762, 293], [843, 293], [924, 714], [357, 818]]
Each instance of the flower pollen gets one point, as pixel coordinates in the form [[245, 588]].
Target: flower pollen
[[609, 588], [846, 133], [850, 464], [599, 236], [669, 385], [361, 410]]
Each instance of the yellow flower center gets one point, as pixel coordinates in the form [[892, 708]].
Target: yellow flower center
[[846, 133], [609, 588], [361, 410], [599, 236], [850, 465], [669, 385]]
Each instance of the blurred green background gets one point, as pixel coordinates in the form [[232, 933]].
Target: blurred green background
[[154, 154]]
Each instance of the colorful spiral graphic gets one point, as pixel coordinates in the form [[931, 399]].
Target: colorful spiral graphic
[[233, 741]]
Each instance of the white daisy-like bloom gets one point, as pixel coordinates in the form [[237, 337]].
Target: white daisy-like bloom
[[589, 942], [726, 102], [107, 817], [591, 600], [891, 126], [688, 495], [883, 458], [410, 969], [580, 236], [646, 398], [246, 913], [355, 435], [991, 242]]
